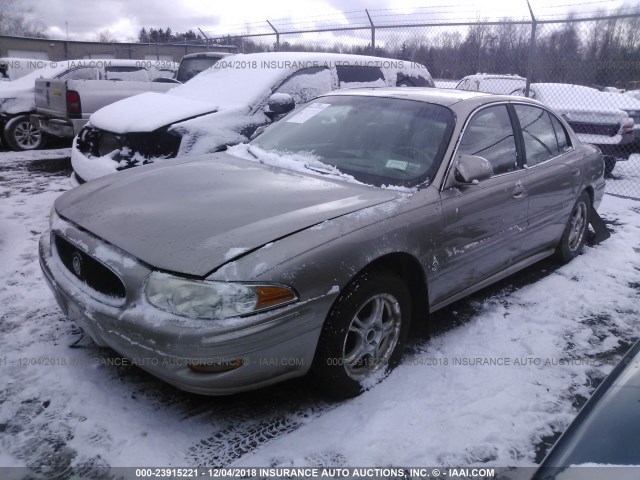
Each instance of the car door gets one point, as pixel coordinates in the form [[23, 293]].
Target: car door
[[482, 223], [553, 174]]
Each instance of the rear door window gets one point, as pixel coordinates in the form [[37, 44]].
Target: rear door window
[[405, 80], [540, 141], [564, 142]]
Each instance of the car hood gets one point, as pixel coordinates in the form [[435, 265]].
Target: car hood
[[193, 216], [148, 112]]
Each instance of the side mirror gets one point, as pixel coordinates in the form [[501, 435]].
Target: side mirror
[[470, 169], [279, 104]]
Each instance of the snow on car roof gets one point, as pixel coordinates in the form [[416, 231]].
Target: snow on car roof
[[242, 80], [579, 96]]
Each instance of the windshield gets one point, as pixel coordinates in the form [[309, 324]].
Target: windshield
[[377, 141]]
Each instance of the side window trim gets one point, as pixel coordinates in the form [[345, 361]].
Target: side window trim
[[517, 133]]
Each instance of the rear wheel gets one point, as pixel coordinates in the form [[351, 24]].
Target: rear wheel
[[21, 135], [575, 232], [363, 335]]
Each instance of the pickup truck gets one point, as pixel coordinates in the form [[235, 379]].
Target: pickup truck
[[65, 105]]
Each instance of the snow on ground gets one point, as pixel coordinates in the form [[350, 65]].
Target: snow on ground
[[548, 341], [8, 157], [66, 402]]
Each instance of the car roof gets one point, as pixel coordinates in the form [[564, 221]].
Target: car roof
[[207, 55], [348, 59], [491, 76], [443, 96]]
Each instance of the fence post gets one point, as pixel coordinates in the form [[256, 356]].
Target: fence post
[[373, 33], [277, 36], [532, 51]]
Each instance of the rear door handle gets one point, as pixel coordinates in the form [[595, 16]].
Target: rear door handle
[[575, 171]]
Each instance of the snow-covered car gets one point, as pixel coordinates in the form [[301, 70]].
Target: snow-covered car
[[601, 118], [12, 68], [224, 105], [17, 97], [501, 84], [602, 441], [313, 247]]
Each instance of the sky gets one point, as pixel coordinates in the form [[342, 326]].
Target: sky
[[84, 19]]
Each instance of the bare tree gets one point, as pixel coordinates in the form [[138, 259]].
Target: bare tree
[[16, 19], [106, 36]]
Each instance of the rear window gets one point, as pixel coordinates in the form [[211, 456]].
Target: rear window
[[127, 73], [190, 67], [405, 80], [358, 74]]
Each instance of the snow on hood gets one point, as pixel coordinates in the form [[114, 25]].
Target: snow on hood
[[148, 111], [186, 215]]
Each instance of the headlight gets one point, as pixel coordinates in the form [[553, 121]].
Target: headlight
[[213, 300]]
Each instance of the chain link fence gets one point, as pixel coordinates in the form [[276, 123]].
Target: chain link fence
[[587, 69]]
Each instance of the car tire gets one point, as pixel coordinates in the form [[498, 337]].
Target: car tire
[[20, 135], [609, 165], [575, 233], [364, 334]]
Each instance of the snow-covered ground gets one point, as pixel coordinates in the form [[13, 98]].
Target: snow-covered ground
[[626, 177], [548, 335]]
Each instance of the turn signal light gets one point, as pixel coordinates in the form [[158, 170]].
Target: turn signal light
[[269, 296]]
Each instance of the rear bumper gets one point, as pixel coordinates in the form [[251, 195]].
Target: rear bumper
[[57, 127]]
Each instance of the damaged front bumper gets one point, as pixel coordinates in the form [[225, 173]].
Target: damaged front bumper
[[244, 352]]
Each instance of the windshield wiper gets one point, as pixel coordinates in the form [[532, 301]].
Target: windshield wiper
[[320, 170], [251, 153]]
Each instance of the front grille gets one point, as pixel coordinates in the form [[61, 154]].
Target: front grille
[[89, 270], [129, 147], [608, 130]]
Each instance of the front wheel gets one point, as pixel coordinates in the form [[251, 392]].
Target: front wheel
[[363, 335], [20, 135], [575, 232]]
